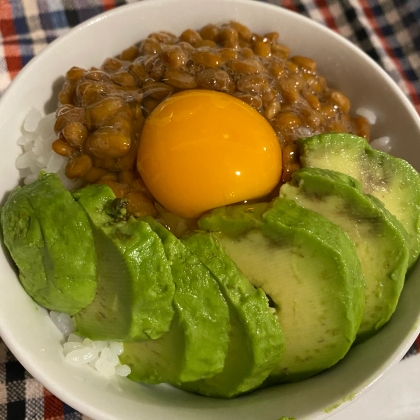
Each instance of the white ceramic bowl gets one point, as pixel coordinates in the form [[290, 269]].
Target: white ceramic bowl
[[28, 330]]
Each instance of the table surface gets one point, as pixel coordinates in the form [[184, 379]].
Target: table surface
[[387, 30]]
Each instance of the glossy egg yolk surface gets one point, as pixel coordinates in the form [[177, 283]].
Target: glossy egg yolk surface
[[202, 149]]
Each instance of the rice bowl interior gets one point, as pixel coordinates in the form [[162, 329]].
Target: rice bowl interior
[[32, 336]]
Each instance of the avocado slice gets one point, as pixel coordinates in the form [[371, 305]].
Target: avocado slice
[[23, 238], [256, 342], [309, 269], [50, 239], [377, 234], [393, 181], [195, 346], [135, 287]]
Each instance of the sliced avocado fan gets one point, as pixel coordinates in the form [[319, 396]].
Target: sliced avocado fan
[[309, 269], [393, 181], [50, 239], [256, 342], [379, 237], [195, 347], [135, 288]]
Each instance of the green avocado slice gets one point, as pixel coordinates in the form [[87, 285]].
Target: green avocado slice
[[393, 181], [195, 346], [23, 238], [135, 287], [256, 342], [377, 234], [50, 239], [309, 269]]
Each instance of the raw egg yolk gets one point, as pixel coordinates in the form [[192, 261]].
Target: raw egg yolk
[[203, 149]]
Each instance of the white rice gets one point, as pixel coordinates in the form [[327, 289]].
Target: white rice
[[103, 356], [368, 114], [36, 140], [382, 143], [63, 322]]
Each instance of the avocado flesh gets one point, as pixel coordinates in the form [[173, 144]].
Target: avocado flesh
[[309, 269], [135, 287], [23, 238], [377, 234], [391, 180], [195, 346], [50, 239], [256, 342]]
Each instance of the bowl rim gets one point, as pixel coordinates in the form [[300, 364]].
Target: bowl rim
[[6, 335]]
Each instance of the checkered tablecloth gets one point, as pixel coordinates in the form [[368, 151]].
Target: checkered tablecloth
[[387, 30]]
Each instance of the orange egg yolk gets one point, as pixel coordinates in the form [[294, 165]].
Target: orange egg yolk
[[202, 149]]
